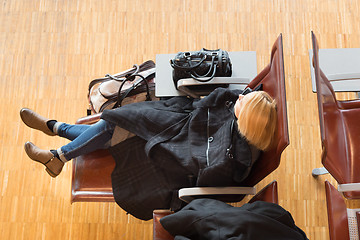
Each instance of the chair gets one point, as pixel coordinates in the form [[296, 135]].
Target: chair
[[273, 80], [91, 175], [268, 194], [343, 222], [340, 133], [89, 184]]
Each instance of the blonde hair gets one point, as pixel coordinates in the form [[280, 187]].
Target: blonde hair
[[257, 119]]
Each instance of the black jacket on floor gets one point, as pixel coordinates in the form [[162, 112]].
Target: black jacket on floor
[[215, 220]]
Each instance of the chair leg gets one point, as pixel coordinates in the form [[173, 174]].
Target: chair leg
[[319, 171], [159, 233]]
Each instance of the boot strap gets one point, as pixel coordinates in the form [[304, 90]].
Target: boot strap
[[49, 160]]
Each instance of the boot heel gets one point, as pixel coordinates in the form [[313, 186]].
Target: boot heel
[[51, 173]]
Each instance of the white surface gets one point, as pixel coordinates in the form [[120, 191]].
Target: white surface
[[341, 66], [186, 194], [348, 187], [243, 66], [235, 82]]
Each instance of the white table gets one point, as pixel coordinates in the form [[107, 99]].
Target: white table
[[244, 69], [341, 66]]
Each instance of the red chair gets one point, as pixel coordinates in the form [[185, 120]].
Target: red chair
[[338, 217], [92, 182], [267, 194], [340, 133]]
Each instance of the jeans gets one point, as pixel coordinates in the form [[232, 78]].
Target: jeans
[[84, 138]]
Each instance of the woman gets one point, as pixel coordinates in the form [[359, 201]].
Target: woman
[[256, 122], [184, 138]]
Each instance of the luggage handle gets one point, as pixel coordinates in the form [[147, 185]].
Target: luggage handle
[[120, 97]]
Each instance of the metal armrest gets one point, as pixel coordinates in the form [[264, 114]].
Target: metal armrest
[[183, 84], [343, 76], [187, 194], [348, 187], [319, 171]]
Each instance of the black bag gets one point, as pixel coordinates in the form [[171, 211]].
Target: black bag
[[201, 65]]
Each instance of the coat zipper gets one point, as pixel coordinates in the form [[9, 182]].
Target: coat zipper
[[208, 142], [229, 149]]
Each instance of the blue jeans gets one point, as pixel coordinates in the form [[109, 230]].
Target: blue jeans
[[84, 138]]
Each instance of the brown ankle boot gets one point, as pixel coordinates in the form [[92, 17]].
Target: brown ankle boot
[[52, 163], [34, 120]]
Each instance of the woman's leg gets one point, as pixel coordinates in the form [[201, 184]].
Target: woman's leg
[[96, 136], [70, 131], [85, 139]]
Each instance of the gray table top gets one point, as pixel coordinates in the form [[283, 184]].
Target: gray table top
[[341, 66]]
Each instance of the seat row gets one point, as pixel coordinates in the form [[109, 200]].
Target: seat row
[[340, 136]]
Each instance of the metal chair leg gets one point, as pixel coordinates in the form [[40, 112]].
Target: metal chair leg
[[319, 171]]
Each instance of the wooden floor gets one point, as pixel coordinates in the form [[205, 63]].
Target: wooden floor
[[51, 49]]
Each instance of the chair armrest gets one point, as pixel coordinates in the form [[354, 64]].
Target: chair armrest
[[89, 119], [348, 187], [187, 194], [350, 104], [268, 194], [343, 76], [183, 84]]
